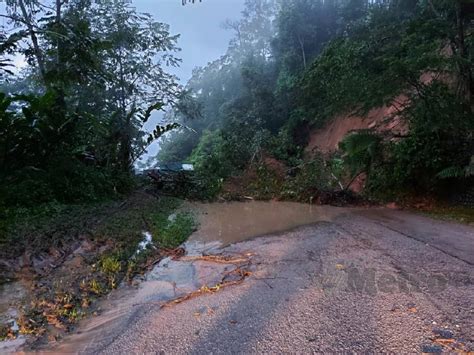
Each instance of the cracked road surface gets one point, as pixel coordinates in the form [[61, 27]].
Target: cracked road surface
[[371, 280]]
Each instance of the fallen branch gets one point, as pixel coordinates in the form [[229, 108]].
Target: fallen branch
[[215, 259], [205, 289]]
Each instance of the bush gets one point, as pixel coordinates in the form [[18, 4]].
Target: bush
[[43, 154], [177, 231], [209, 157], [267, 185], [310, 179], [437, 150], [211, 165]]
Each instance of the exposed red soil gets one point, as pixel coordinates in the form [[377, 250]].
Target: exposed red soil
[[358, 185], [276, 166], [383, 119]]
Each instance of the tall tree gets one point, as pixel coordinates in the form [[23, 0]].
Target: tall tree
[[139, 50]]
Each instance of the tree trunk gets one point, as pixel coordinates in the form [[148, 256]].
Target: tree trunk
[[465, 85], [36, 48], [126, 126], [58, 24], [302, 51]]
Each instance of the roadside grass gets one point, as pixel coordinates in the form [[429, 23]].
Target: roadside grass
[[171, 232], [36, 229], [112, 232], [453, 213], [55, 225]]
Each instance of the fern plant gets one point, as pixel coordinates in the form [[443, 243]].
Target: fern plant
[[457, 171], [361, 149]]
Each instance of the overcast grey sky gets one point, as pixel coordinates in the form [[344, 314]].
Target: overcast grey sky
[[199, 24], [202, 38]]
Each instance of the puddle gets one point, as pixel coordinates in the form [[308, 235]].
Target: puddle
[[147, 240], [167, 281], [11, 296], [220, 224], [233, 222]]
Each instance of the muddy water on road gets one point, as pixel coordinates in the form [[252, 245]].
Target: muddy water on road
[[220, 224], [233, 222]]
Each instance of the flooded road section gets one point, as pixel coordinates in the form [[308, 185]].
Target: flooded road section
[[206, 266], [233, 222], [296, 289]]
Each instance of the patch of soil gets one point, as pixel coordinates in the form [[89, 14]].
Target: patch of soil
[[357, 186], [64, 280], [385, 119], [239, 187], [275, 165], [248, 185], [235, 187]]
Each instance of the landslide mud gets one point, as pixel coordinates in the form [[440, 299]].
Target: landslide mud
[[205, 268], [233, 222]]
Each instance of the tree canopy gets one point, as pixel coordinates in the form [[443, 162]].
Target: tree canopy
[[72, 119], [294, 65]]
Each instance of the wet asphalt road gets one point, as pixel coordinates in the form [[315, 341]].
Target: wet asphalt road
[[368, 281]]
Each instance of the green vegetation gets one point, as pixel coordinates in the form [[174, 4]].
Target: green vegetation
[[294, 65], [38, 229], [110, 254], [458, 214], [71, 123], [176, 231], [72, 126]]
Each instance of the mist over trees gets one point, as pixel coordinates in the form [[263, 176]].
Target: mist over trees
[[71, 121], [294, 65], [348, 103]]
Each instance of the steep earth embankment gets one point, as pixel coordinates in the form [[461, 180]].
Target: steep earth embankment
[[385, 120]]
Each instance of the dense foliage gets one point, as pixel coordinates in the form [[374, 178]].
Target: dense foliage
[[296, 64], [71, 120]]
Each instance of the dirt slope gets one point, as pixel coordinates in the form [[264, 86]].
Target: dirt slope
[[383, 119]]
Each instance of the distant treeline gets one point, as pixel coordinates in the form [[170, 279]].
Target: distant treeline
[[292, 65]]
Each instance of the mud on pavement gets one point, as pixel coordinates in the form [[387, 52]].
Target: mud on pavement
[[368, 280], [203, 270], [361, 282]]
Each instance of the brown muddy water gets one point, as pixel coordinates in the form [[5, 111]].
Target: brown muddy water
[[220, 224], [232, 222]]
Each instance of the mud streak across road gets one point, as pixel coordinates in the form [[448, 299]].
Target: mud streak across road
[[359, 280]]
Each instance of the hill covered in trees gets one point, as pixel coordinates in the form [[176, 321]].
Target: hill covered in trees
[[95, 71], [313, 99], [295, 65], [71, 120]]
